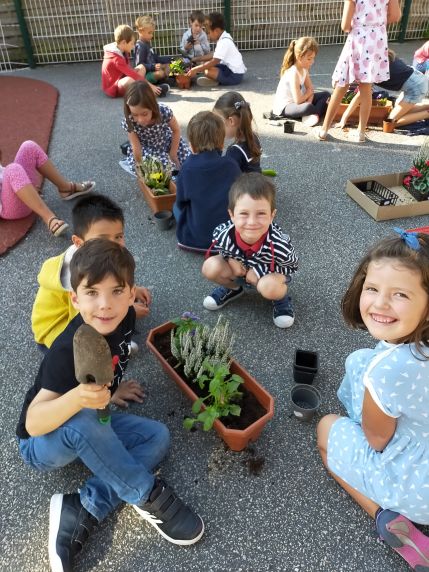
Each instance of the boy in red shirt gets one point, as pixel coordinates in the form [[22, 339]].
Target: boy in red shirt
[[116, 73]]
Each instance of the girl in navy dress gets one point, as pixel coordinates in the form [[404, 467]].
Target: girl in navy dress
[[379, 454], [152, 129]]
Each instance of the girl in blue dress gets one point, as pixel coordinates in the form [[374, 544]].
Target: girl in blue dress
[[380, 453], [152, 129]]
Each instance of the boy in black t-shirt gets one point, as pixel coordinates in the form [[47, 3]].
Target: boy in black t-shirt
[[59, 422]]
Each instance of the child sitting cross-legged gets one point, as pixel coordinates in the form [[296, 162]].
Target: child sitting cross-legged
[[157, 67], [203, 183], [59, 422], [94, 216], [251, 247]]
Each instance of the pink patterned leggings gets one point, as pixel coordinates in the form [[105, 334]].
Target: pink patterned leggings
[[22, 172]]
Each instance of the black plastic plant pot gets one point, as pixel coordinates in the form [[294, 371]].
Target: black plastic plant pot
[[163, 219], [306, 360], [288, 126], [305, 400], [303, 376]]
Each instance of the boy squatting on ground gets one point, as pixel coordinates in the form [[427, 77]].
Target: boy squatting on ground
[[94, 216], [116, 73], [225, 65], [203, 183], [157, 67], [59, 421], [251, 247]]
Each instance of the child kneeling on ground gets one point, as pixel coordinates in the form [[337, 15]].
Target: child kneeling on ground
[[251, 247], [59, 421]]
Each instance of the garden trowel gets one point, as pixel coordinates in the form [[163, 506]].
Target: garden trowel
[[93, 362]]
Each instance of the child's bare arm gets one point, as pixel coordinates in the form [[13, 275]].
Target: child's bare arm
[[211, 63], [348, 12], [204, 58], [136, 147], [49, 410], [295, 88], [175, 140], [393, 12], [378, 427]]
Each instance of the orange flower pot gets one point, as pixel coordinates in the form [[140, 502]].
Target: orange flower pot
[[183, 81], [236, 439], [161, 202], [377, 114]]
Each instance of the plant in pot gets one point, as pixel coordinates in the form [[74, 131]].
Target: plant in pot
[[226, 397], [155, 182], [178, 69], [417, 180]]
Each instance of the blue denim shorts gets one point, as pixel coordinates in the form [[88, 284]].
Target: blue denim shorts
[[228, 77], [415, 88]]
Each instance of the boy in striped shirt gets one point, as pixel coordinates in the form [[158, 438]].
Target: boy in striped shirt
[[251, 248]]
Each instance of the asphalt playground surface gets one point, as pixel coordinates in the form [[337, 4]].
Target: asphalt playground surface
[[291, 516]]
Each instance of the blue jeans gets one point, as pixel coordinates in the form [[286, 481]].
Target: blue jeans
[[121, 456]]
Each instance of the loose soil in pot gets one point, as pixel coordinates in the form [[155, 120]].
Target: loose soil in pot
[[251, 409]]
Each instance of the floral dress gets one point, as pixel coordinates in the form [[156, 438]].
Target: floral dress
[[156, 140], [364, 57], [397, 478]]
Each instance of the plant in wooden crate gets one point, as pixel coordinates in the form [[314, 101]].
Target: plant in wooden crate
[[417, 181], [155, 175], [205, 355]]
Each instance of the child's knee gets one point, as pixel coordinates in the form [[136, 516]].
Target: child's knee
[[323, 430], [271, 288], [212, 267]]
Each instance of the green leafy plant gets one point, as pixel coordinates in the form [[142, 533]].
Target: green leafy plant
[[155, 175], [418, 177], [178, 67], [205, 355], [222, 396]]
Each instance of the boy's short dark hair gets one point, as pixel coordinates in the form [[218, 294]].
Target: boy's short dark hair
[[99, 258], [91, 209], [216, 20], [206, 132], [256, 185], [197, 15]]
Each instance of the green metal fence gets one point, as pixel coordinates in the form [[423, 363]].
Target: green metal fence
[[58, 31]]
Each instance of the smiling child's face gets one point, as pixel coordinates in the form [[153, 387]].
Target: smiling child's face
[[104, 305], [393, 301], [252, 218]]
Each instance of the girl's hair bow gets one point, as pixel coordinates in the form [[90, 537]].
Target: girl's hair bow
[[410, 238]]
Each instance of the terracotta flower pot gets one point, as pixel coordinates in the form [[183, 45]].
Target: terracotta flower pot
[[161, 202], [183, 81], [376, 117], [236, 439]]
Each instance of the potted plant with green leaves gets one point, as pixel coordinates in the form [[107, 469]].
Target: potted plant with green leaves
[[380, 107], [179, 69], [155, 183], [417, 180], [225, 395]]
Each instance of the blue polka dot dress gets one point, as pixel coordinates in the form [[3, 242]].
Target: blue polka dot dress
[[398, 381], [156, 139]]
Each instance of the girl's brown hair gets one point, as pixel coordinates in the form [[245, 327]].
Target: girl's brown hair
[[232, 103], [397, 250], [296, 49], [139, 93]]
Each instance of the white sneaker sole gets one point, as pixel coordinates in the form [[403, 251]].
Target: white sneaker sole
[[283, 321], [148, 517], [54, 525]]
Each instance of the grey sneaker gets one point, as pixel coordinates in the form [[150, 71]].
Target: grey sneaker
[[206, 82], [220, 297], [126, 167], [176, 522]]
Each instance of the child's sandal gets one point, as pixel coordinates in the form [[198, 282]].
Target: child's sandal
[[56, 226], [73, 192]]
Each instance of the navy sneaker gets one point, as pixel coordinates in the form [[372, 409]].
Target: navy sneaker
[[176, 522], [164, 87], [283, 315], [69, 527], [220, 297]]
